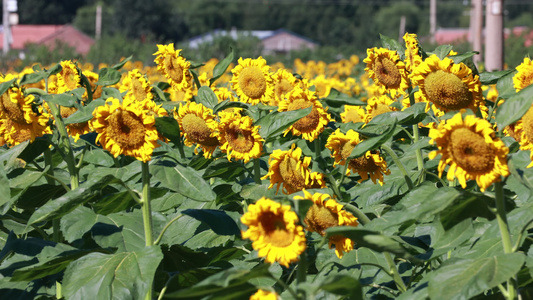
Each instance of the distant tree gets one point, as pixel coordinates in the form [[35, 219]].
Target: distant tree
[[85, 19], [49, 11]]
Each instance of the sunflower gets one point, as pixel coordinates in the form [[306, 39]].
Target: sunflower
[[522, 131], [289, 168], [326, 212], [284, 82], [174, 66], [412, 52], [238, 137], [74, 129], [252, 81], [96, 89], [224, 93], [447, 85], [322, 85], [181, 95], [137, 85], [386, 69], [470, 146], [69, 78], [377, 106], [198, 126], [264, 295], [19, 120], [524, 76], [370, 164], [353, 113], [126, 128], [310, 126], [273, 229]]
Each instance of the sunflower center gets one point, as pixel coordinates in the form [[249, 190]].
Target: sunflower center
[[196, 129], [138, 90], [275, 230], [346, 150], [387, 73], [363, 164], [252, 82], [309, 122], [321, 218], [126, 129], [11, 109], [283, 87], [239, 139], [174, 70], [527, 120], [470, 151], [67, 111], [70, 79], [447, 90], [290, 174]]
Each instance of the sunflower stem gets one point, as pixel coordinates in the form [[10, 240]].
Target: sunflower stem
[[501, 216], [394, 272], [147, 214], [318, 149], [257, 171], [361, 216], [301, 274], [398, 163], [416, 134]]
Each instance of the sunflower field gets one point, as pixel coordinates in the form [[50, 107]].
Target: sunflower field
[[403, 175]]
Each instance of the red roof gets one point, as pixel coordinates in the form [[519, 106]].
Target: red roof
[[47, 35]]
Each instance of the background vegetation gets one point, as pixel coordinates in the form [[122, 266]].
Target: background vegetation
[[341, 27]]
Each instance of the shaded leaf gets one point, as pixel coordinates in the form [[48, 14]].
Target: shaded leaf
[[487, 78], [392, 44], [125, 275], [108, 76], [336, 98], [207, 97], [275, 123], [169, 128], [442, 51], [373, 142], [221, 67], [217, 220], [512, 109]]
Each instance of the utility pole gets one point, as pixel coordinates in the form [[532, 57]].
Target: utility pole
[[476, 27], [432, 20], [494, 35], [98, 25], [402, 30], [5, 27]]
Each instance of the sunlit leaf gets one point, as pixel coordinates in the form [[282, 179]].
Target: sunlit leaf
[[512, 109]]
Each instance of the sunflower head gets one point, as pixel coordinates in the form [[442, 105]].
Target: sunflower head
[[386, 69], [69, 78], [198, 126], [522, 131], [274, 231], [325, 213], [370, 164], [284, 81], [470, 146], [126, 128], [353, 113], [310, 126], [377, 106], [173, 66], [136, 84], [252, 81], [448, 86], [264, 295], [239, 138], [291, 170], [412, 51], [524, 76]]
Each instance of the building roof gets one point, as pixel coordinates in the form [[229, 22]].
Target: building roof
[[23, 34], [260, 34]]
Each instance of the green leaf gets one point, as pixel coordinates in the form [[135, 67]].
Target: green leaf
[[67, 99], [466, 278], [373, 142], [5, 191], [461, 58], [343, 285], [221, 67], [207, 97], [392, 44], [4, 86], [122, 63], [467, 205], [221, 282], [122, 230], [115, 202], [72, 199], [85, 113], [487, 78], [108, 76], [336, 98], [217, 220], [410, 116], [224, 169], [54, 70], [30, 78], [125, 275], [184, 180], [228, 104], [77, 223], [169, 128], [505, 86], [369, 239], [512, 109], [275, 123], [442, 51]]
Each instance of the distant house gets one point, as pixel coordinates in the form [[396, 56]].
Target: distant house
[[23, 34], [274, 41]]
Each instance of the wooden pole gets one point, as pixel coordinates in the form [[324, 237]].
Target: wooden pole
[[476, 25], [494, 35], [432, 20]]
